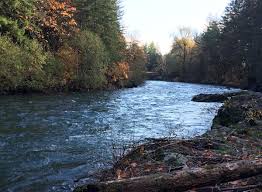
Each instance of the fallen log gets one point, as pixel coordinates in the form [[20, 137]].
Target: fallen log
[[243, 188], [182, 180]]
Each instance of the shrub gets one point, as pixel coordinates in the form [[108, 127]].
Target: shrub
[[21, 65], [54, 73], [33, 59], [10, 66], [61, 68], [93, 60], [118, 74], [137, 60], [70, 59]]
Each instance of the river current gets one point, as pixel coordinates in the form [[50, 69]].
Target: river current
[[47, 143]]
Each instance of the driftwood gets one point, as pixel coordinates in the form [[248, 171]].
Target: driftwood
[[182, 180]]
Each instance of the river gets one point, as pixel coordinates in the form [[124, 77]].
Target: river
[[47, 143]]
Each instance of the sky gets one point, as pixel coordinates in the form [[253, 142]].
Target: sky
[[158, 20]]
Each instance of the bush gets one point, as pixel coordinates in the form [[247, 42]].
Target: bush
[[70, 59], [137, 61], [93, 60], [33, 59], [61, 68], [10, 66], [21, 66], [54, 73], [118, 74]]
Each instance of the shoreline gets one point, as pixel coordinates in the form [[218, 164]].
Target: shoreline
[[235, 136], [48, 92]]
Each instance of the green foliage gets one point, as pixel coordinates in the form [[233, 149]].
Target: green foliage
[[209, 45], [154, 58], [173, 69], [10, 67], [242, 27], [83, 45], [11, 28], [21, 66], [229, 51], [103, 18], [33, 60], [54, 70], [93, 60], [15, 18], [137, 64]]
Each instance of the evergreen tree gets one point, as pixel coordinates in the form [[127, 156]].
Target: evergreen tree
[[15, 18], [251, 25], [212, 69], [103, 18], [229, 51], [241, 41], [154, 57]]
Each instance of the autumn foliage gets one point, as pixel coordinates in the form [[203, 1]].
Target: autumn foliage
[[70, 58], [58, 45], [56, 20], [118, 73]]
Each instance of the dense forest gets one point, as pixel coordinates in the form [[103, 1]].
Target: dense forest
[[65, 45], [229, 52], [74, 45]]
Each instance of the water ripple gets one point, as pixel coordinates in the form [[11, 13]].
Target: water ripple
[[47, 142]]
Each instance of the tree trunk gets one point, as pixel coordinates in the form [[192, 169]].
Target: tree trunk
[[182, 180]]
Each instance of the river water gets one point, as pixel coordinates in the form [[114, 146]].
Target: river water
[[47, 143]]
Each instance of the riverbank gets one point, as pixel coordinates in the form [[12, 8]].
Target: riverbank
[[235, 137], [254, 87], [66, 90]]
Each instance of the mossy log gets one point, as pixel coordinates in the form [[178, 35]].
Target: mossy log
[[182, 180]]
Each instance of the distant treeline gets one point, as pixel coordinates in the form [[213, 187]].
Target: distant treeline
[[229, 52], [55, 45]]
